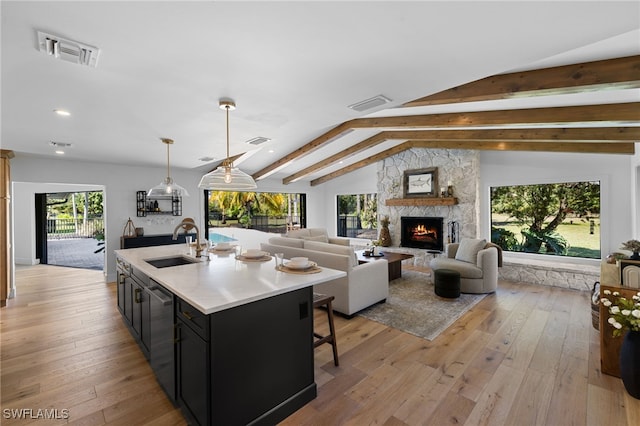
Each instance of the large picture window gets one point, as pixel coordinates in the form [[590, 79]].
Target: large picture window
[[560, 219], [264, 211], [357, 216]]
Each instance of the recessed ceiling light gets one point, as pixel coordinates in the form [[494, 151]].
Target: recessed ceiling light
[[271, 151], [62, 112], [59, 151]]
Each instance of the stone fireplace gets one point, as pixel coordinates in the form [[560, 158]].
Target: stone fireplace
[[426, 233]]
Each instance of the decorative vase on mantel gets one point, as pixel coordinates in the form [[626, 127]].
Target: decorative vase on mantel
[[385, 235], [635, 256], [630, 363]]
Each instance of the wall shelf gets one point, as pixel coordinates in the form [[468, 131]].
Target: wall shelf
[[426, 201], [169, 205]]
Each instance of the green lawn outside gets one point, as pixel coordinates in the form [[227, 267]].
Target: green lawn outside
[[575, 230]]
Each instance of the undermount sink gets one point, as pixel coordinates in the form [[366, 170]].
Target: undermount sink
[[166, 262]]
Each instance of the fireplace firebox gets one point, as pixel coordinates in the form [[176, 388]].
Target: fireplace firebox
[[422, 233]]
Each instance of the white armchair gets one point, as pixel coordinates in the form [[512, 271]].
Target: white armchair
[[478, 265]]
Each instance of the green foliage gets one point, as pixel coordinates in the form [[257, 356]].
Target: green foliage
[[624, 314], [369, 215], [541, 209], [505, 239], [548, 242], [61, 204]]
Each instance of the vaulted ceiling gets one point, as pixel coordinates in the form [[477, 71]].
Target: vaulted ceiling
[[532, 76]]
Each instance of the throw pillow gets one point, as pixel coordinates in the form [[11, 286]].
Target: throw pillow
[[319, 238], [469, 248]]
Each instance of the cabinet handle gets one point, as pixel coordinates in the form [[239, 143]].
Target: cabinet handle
[[121, 279], [138, 292], [188, 315], [176, 333]]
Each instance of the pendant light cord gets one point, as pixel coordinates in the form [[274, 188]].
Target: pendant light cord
[[227, 108], [168, 170]]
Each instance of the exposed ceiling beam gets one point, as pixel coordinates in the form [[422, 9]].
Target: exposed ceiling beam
[[584, 147], [618, 73], [620, 114], [588, 134], [606, 114], [306, 149]]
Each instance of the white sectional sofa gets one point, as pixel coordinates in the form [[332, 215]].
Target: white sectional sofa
[[364, 284]]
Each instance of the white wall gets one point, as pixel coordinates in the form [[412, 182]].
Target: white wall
[[613, 171], [32, 175], [620, 185]]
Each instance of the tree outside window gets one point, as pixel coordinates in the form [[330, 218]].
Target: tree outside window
[[560, 219]]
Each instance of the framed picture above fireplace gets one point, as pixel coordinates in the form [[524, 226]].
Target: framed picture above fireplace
[[421, 182]]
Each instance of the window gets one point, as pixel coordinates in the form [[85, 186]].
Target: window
[[358, 216], [561, 219], [264, 211]]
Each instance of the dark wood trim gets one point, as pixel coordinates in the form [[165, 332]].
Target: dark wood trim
[[618, 73]]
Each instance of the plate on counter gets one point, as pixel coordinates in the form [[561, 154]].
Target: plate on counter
[[299, 266]]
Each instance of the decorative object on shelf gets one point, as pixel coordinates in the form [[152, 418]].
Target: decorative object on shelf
[[633, 246], [449, 189], [385, 235], [167, 187], [624, 316], [226, 177], [129, 229], [421, 182], [146, 206], [443, 192]]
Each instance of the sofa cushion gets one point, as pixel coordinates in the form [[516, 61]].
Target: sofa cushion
[[298, 233], [332, 248], [318, 238], [469, 248], [288, 242], [466, 269]]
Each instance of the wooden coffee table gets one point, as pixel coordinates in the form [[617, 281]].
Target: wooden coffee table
[[393, 259]]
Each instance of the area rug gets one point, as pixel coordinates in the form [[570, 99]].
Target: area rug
[[413, 307]]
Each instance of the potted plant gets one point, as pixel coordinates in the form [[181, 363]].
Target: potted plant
[[634, 247], [624, 316]]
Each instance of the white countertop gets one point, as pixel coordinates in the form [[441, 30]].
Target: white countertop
[[223, 282]]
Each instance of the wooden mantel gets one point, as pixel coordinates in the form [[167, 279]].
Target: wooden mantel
[[426, 201]]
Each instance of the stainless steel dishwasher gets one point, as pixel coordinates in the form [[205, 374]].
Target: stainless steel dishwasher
[[162, 355]]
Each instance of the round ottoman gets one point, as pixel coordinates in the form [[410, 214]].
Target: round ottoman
[[447, 283]]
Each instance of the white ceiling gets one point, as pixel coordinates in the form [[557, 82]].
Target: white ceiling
[[292, 68]]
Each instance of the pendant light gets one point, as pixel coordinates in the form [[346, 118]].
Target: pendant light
[[226, 177], [167, 187]]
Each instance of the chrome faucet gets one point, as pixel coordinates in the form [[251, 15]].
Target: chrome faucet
[[188, 224]]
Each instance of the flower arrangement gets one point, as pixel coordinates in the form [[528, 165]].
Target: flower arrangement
[[624, 313], [631, 245]]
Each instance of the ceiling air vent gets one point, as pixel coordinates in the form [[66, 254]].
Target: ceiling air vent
[[258, 140], [370, 103], [68, 50], [60, 144]]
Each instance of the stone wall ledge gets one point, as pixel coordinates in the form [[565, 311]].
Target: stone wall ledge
[[576, 276]]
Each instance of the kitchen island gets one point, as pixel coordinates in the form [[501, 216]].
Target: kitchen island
[[231, 341]]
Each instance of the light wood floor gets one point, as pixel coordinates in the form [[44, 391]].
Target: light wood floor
[[526, 355]]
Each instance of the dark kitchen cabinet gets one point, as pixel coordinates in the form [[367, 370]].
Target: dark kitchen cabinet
[[134, 303], [193, 377], [140, 320]]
